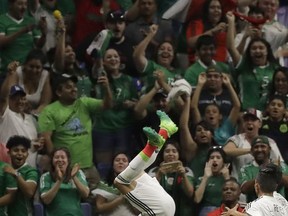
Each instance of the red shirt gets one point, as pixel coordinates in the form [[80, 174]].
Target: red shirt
[[196, 27], [195, 10], [218, 211], [89, 19]]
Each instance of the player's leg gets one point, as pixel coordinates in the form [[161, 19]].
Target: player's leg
[[148, 155]]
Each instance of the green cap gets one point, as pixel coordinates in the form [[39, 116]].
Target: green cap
[[260, 139]]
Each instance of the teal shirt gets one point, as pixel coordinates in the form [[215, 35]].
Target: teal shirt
[[250, 171], [7, 182], [67, 200], [22, 205]]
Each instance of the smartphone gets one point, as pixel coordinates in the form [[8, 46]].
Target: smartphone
[[171, 166]]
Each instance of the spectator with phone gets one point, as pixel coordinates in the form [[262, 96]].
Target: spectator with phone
[[175, 178], [209, 187]]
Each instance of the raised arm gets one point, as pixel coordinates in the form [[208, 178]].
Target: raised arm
[[234, 113], [218, 28], [199, 193], [188, 145], [11, 79], [230, 38], [140, 109], [196, 116], [59, 58], [139, 53], [231, 149], [133, 12]]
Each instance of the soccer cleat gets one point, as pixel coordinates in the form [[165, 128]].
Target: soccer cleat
[[153, 137], [166, 123]]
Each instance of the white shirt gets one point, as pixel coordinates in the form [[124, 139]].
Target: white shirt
[[241, 142], [268, 206]]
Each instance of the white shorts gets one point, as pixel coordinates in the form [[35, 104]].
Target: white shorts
[[150, 198]]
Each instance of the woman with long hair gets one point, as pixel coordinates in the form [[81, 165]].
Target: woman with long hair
[[254, 70], [109, 200], [62, 188]]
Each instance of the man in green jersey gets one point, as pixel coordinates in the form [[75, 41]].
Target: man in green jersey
[[67, 123], [25, 176], [8, 188], [260, 150]]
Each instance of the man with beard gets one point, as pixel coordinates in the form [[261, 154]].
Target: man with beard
[[260, 150], [230, 196], [239, 146], [205, 51]]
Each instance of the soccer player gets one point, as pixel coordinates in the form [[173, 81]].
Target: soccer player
[[143, 192], [269, 202]]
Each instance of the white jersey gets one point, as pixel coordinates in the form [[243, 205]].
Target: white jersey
[[268, 206]]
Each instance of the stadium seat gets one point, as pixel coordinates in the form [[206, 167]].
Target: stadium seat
[[38, 209], [86, 209]]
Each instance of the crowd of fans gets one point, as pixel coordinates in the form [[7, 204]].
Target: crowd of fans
[[79, 84]]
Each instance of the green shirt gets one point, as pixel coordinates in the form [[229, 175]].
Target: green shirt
[[67, 200], [118, 117], [22, 205], [22, 45], [149, 79], [213, 191], [250, 171], [7, 182], [192, 73], [173, 185], [197, 164], [71, 127], [255, 80]]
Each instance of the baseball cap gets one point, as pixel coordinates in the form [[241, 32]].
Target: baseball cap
[[213, 68], [16, 89], [116, 15], [260, 139], [160, 93], [63, 78], [253, 113]]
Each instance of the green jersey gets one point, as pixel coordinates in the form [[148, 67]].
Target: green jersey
[[117, 117], [213, 191], [197, 164], [72, 127], [256, 80], [192, 73], [21, 46], [67, 200], [250, 171], [22, 206], [7, 182], [149, 79]]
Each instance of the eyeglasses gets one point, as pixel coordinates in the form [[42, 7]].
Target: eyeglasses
[[216, 147]]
